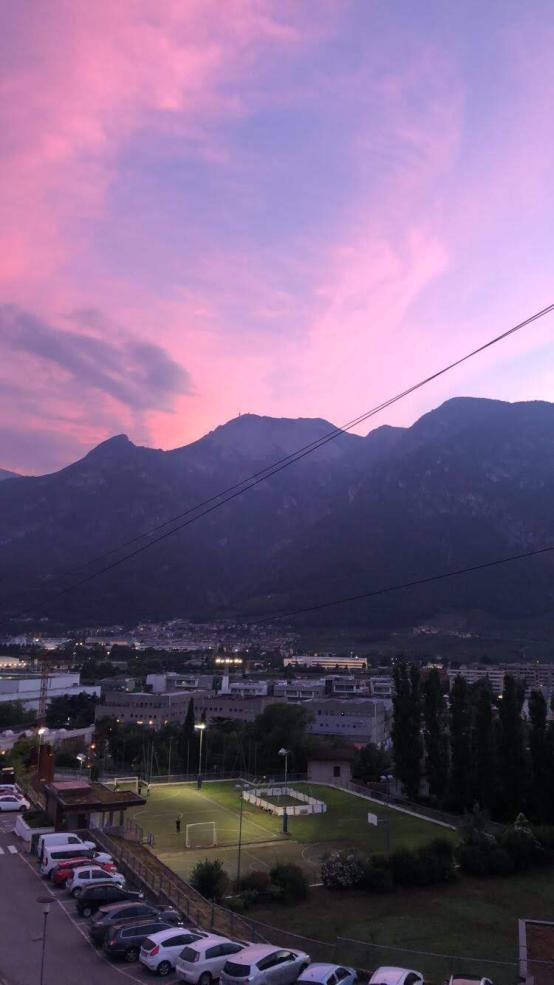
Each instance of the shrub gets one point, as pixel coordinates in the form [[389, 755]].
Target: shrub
[[474, 859], [257, 881], [290, 879], [522, 847], [409, 868], [210, 879], [544, 833], [377, 875], [343, 870]]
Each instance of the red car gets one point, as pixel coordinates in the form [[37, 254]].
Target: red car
[[64, 870]]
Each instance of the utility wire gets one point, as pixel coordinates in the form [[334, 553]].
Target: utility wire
[[289, 614], [232, 492]]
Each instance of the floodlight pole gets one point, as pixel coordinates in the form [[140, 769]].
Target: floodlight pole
[[201, 727], [45, 900], [285, 752], [240, 836]]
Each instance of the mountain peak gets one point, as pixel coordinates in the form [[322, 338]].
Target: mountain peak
[[257, 437], [114, 447]]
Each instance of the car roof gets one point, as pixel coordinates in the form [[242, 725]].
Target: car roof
[[313, 971], [213, 939], [160, 935], [111, 907], [253, 952], [138, 922], [390, 975]]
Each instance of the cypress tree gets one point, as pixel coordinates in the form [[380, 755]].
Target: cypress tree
[[435, 735], [539, 756], [511, 751], [460, 751], [483, 746], [406, 729]]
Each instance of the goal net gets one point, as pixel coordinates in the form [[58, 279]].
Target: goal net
[[123, 783], [201, 834]]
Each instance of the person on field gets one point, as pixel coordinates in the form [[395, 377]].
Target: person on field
[[178, 820]]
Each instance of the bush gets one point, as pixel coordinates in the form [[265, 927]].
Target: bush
[[377, 875], [474, 859], [544, 833], [290, 879], [409, 868], [343, 870], [428, 865], [522, 847], [257, 881], [210, 879]]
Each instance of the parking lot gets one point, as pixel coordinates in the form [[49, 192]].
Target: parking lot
[[70, 957]]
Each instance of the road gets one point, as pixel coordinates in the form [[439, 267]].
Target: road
[[70, 958]]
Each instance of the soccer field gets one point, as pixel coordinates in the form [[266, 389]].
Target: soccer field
[[263, 844]]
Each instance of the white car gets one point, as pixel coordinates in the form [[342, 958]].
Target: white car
[[91, 875], [467, 980], [264, 964], [202, 962], [160, 951], [387, 975], [328, 974], [11, 802]]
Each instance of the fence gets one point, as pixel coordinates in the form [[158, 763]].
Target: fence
[[307, 805]]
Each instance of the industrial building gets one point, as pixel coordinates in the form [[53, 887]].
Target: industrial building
[[26, 688]]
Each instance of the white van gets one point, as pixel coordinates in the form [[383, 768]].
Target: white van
[[51, 857], [61, 838]]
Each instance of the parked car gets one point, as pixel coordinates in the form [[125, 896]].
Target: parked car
[[264, 964], [64, 870], [202, 961], [11, 788], [328, 974], [113, 913], [13, 802], [125, 940], [396, 976], [89, 876], [467, 980], [62, 838], [93, 897], [160, 951], [56, 854]]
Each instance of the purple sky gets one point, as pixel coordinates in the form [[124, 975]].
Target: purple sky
[[289, 208]]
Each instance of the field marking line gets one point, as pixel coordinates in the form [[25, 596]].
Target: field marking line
[[102, 957], [1, 851], [12, 850], [390, 807], [237, 815]]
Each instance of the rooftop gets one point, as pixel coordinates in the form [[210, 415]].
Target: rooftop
[[80, 793]]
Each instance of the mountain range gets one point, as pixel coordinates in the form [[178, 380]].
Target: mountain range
[[468, 482]]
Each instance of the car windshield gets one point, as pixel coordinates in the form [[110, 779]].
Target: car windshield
[[236, 970]]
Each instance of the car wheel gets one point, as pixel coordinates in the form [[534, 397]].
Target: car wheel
[[205, 978], [86, 911], [164, 968], [131, 954], [76, 892]]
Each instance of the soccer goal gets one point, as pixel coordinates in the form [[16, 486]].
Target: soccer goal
[[124, 783], [201, 834]]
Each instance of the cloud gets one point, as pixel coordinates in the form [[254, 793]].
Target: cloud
[[140, 375]]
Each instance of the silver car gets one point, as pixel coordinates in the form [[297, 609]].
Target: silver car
[[264, 964], [328, 974]]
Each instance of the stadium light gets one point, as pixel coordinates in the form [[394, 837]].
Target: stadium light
[[201, 728], [285, 752], [239, 786]]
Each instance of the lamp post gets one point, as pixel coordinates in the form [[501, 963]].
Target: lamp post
[[201, 728], [285, 752], [81, 757], [239, 786], [46, 901]]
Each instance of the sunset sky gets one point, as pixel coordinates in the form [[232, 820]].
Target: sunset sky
[[286, 208]]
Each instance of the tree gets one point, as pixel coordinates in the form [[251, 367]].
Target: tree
[[281, 726], [511, 751], [71, 711], [187, 739], [14, 713], [541, 765], [459, 796], [406, 728], [210, 879], [435, 735], [482, 746], [371, 762]]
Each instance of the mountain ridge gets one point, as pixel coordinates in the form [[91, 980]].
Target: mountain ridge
[[470, 480]]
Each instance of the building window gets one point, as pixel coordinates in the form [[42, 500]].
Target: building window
[[336, 770]]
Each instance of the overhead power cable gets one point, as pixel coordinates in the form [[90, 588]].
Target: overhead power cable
[[215, 502], [399, 586]]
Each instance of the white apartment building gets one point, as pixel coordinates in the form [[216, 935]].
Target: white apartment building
[[360, 720], [534, 674], [26, 688], [327, 661]]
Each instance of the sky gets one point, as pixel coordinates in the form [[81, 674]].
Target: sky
[[294, 208]]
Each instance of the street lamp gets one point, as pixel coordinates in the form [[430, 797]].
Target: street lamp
[[285, 752], [201, 727], [239, 786], [46, 901], [81, 757]]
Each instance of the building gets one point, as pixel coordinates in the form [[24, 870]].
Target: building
[[359, 720], [232, 707], [327, 661], [146, 707], [172, 681], [381, 687], [26, 688], [12, 663], [300, 689], [330, 766], [75, 804], [535, 675]]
